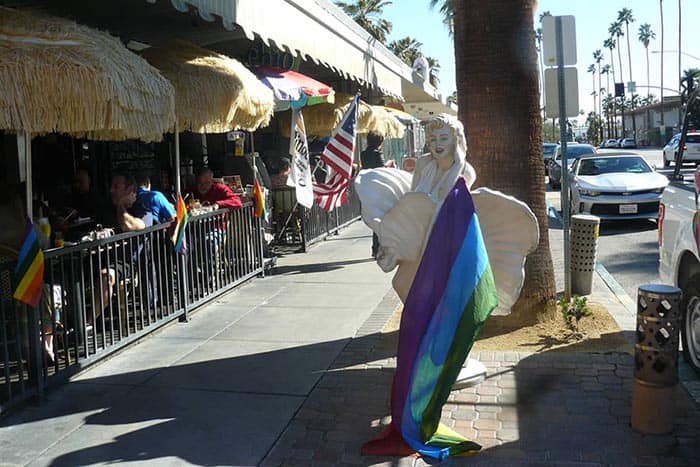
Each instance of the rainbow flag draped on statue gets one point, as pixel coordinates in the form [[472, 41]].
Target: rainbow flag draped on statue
[[180, 224], [29, 273], [452, 294]]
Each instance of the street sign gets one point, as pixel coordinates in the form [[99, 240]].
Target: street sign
[[551, 92], [549, 40], [619, 89], [631, 87]]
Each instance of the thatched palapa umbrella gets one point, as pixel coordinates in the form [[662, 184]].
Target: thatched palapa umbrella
[[213, 93], [322, 119], [58, 76]]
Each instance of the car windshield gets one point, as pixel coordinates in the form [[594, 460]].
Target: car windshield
[[607, 165], [692, 139]]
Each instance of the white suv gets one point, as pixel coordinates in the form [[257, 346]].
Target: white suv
[[691, 152]]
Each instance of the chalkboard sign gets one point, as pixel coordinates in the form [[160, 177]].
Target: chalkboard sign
[[133, 156]]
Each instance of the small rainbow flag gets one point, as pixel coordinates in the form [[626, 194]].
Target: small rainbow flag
[[181, 218], [259, 201], [29, 273]]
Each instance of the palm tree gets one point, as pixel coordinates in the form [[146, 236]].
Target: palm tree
[[447, 10], [610, 44], [452, 98], [434, 71], [407, 49], [662, 131], [645, 37], [591, 70], [513, 110], [615, 31], [598, 57], [625, 16], [606, 71], [368, 14], [680, 16]]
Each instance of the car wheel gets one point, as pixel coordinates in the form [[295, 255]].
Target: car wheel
[[690, 328]]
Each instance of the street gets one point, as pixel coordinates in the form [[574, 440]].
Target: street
[[628, 249]]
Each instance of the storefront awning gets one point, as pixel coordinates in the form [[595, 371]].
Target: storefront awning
[[58, 76], [213, 93], [293, 89], [316, 30]]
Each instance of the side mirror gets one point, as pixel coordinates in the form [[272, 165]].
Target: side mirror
[[697, 180]]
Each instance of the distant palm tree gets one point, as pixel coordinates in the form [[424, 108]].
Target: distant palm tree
[[661, 69], [645, 37], [598, 57], [615, 31], [591, 69], [368, 14], [625, 16], [434, 71], [610, 44], [452, 98], [448, 11], [606, 71], [407, 49]]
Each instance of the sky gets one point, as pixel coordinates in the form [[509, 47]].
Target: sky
[[593, 17]]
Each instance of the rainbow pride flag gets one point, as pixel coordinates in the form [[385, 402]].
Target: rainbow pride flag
[[260, 211], [181, 218], [29, 273], [452, 294]]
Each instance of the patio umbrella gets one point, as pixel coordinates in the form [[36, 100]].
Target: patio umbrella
[[294, 89], [322, 119], [213, 93], [59, 76]]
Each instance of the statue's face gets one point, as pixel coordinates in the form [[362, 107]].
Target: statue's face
[[441, 142]]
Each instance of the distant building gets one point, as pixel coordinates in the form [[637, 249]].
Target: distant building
[[648, 122]]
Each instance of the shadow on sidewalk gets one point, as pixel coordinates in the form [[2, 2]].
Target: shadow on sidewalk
[[318, 267], [215, 412]]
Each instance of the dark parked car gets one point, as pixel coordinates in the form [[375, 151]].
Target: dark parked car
[[573, 152], [548, 150]]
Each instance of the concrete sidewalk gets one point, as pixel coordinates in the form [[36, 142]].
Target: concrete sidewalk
[[293, 369]]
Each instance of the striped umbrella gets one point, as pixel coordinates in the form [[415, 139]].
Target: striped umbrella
[[293, 89]]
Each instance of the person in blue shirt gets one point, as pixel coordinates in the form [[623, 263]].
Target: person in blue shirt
[[154, 201]]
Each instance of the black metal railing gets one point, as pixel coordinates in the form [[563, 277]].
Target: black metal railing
[[297, 226], [101, 295]]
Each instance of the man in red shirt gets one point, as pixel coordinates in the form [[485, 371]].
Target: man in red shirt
[[213, 193]]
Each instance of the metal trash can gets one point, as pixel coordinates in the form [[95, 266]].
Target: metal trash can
[[584, 244], [656, 358]]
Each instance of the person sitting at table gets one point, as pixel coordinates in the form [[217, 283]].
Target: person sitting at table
[[212, 193], [87, 201], [132, 215], [153, 200], [284, 168]]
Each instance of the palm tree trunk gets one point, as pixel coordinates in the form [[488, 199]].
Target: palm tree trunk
[[662, 133], [649, 122], [622, 77], [600, 104], [629, 60], [490, 106], [679, 63], [614, 109]]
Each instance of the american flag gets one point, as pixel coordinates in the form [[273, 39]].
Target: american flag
[[338, 157]]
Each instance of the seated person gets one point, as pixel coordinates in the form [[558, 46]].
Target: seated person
[[279, 178], [86, 200], [154, 201], [212, 193], [132, 215]]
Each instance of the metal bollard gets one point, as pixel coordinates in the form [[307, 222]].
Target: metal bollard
[[656, 358], [584, 243]]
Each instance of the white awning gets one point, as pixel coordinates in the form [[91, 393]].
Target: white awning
[[316, 30]]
